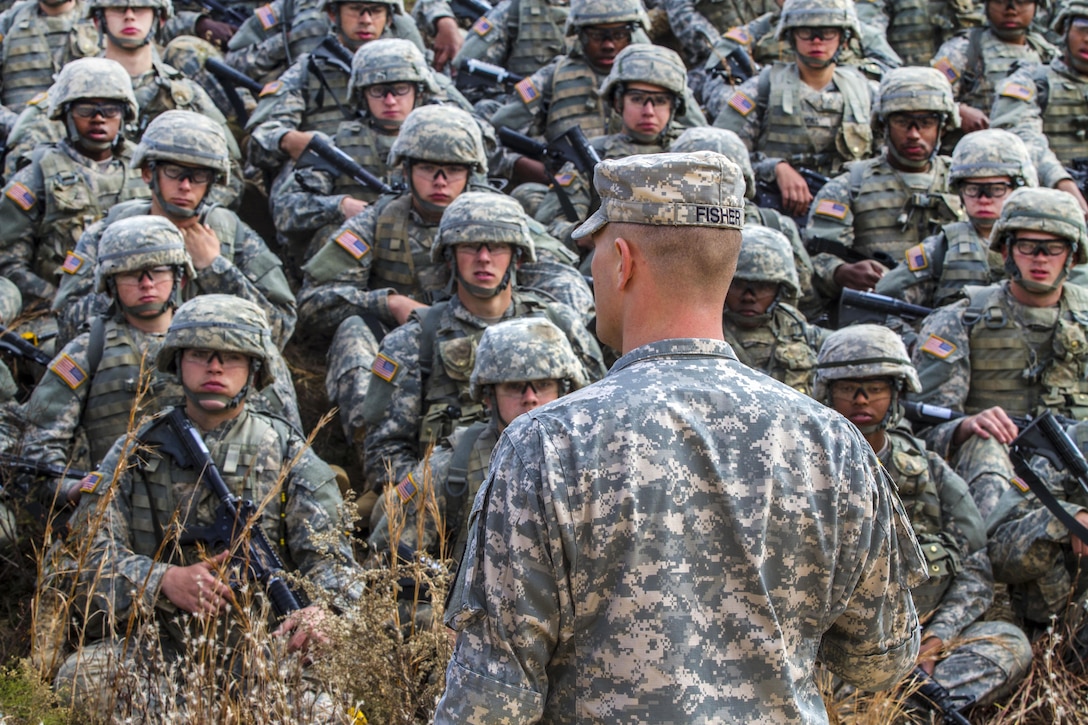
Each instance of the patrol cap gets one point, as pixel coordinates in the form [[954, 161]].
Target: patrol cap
[[700, 189], [1042, 210]]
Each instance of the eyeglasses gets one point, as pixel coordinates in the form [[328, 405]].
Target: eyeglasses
[[604, 35], [1034, 247], [226, 360], [871, 389], [757, 289], [518, 389], [1080, 25], [452, 172], [87, 109], [157, 275], [372, 9], [382, 90], [495, 249], [992, 190], [921, 121], [192, 174], [1011, 3], [808, 34], [641, 98]]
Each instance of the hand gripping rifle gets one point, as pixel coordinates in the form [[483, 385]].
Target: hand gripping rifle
[[321, 154], [927, 414], [572, 146], [176, 436], [933, 696], [856, 306]]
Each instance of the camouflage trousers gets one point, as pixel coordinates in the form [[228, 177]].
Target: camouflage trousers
[[989, 662], [984, 464], [351, 355]]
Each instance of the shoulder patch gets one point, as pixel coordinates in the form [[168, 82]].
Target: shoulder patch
[[21, 195], [267, 16], [38, 98], [89, 483], [916, 258], [69, 371], [1020, 484], [407, 488], [270, 88], [1017, 91], [352, 244], [741, 103], [938, 347], [72, 263], [944, 65], [384, 368], [527, 91], [833, 209], [565, 179], [482, 26], [740, 34]]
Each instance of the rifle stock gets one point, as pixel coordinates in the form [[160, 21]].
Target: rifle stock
[[323, 155], [856, 306]]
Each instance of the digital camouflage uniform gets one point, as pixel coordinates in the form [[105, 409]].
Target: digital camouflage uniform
[[779, 118], [993, 656], [990, 350], [915, 28], [11, 412], [607, 508], [700, 24], [47, 204], [125, 563], [781, 342], [418, 392], [874, 208], [935, 272]]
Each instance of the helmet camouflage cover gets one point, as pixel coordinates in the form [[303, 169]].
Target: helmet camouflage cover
[[389, 60], [722, 141], [184, 137], [140, 242], [440, 134], [863, 351], [523, 349], [224, 323], [1069, 10], [396, 7], [992, 152], [646, 63], [766, 255], [165, 8], [818, 14], [92, 78], [1042, 210], [481, 216], [604, 12], [912, 89]]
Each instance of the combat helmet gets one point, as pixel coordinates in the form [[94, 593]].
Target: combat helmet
[[11, 301], [92, 78], [524, 349], [396, 7], [766, 255], [604, 12], [390, 60], [992, 152], [1069, 9], [818, 14], [479, 216], [646, 63], [187, 138], [912, 89], [137, 243], [866, 351], [1041, 210], [722, 141], [441, 135], [164, 9], [223, 323]]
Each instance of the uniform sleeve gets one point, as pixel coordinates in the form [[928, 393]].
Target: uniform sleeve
[[304, 201], [695, 33], [918, 286], [741, 112], [22, 206], [490, 41], [951, 60], [417, 527], [1016, 109], [942, 359], [280, 108], [831, 219], [526, 113]]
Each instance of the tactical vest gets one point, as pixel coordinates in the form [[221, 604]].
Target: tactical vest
[[785, 132], [36, 46], [620, 145], [162, 89], [1063, 98], [780, 348], [537, 35], [964, 258], [402, 249], [990, 60], [891, 217], [1006, 372], [468, 468], [909, 468], [574, 100], [326, 88], [917, 29]]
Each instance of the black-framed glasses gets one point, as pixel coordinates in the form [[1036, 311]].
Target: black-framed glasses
[[807, 34], [871, 389], [381, 90], [921, 121], [493, 248], [194, 174], [604, 35], [991, 190], [451, 172], [1035, 247], [641, 98], [157, 275], [371, 9], [203, 356], [518, 389], [88, 109]]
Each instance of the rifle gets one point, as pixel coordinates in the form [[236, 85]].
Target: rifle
[[321, 154], [470, 10], [175, 436], [20, 464], [1078, 169], [927, 414], [19, 345], [769, 196], [856, 306], [847, 254], [572, 146], [224, 13], [934, 697], [735, 67], [474, 73], [231, 80]]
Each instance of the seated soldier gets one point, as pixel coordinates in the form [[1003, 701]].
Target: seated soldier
[[861, 373], [142, 568], [11, 413]]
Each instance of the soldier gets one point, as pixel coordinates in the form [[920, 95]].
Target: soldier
[[1012, 348], [218, 348], [418, 392], [1047, 105], [862, 221], [609, 507], [11, 412], [986, 166], [915, 28], [761, 323], [975, 61], [699, 24], [811, 113], [862, 372], [72, 183], [103, 380]]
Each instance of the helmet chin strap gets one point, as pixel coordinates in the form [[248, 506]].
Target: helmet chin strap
[[226, 402], [142, 310], [173, 210], [85, 143], [1031, 285], [912, 164], [483, 292]]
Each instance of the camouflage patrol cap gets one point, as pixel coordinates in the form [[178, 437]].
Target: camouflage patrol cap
[[863, 351], [818, 14], [389, 60], [912, 89], [702, 189], [140, 242], [480, 216], [92, 78], [184, 137], [1042, 210], [218, 322], [767, 256], [11, 301], [604, 12], [992, 152], [440, 134], [520, 350], [722, 141], [1069, 9], [646, 63], [165, 8]]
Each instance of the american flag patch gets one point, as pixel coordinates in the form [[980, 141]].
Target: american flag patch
[[916, 258], [834, 209], [352, 244], [267, 16], [740, 34], [21, 195], [270, 88], [407, 488], [1020, 484], [68, 371], [564, 179], [482, 26], [1017, 91], [90, 482], [72, 263], [945, 66], [741, 103], [384, 368], [38, 97], [938, 347], [527, 91]]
